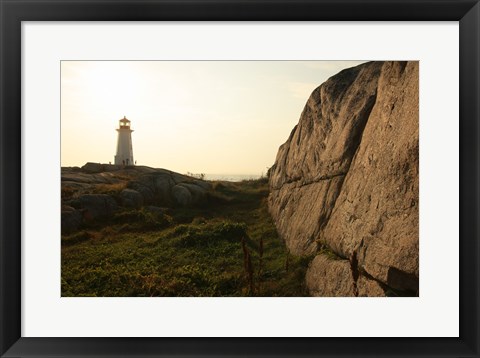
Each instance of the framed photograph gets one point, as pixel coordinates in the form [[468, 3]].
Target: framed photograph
[[239, 178]]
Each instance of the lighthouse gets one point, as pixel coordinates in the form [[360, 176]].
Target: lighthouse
[[124, 143]]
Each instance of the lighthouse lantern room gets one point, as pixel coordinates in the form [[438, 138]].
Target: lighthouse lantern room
[[124, 143]]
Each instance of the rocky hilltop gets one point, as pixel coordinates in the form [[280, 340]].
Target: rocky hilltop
[[97, 191], [344, 186]]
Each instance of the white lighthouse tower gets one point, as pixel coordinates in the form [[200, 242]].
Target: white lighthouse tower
[[124, 143]]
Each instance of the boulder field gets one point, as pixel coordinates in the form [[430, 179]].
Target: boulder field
[[344, 187]]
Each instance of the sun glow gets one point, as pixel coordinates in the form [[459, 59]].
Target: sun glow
[[197, 116]]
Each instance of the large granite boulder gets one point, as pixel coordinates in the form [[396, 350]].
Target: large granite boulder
[[347, 179], [378, 202], [310, 167]]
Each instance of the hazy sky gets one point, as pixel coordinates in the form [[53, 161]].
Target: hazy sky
[[214, 117]]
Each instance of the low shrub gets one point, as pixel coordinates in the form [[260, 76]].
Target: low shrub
[[142, 220], [110, 189], [208, 234]]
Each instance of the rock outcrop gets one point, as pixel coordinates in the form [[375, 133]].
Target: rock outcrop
[[88, 193], [168, 188], [131, 198], [347, 180], [71, 218]]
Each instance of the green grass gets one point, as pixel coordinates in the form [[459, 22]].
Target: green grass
[[229, 247]]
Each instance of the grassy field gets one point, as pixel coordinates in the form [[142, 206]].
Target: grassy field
[[228, 247]]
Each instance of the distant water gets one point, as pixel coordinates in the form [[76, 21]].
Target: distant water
[[230, 177]]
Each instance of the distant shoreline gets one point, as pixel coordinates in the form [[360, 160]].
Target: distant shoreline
[[93, 167], [231, 177]]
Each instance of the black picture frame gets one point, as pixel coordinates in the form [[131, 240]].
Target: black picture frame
[[13, 12]]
